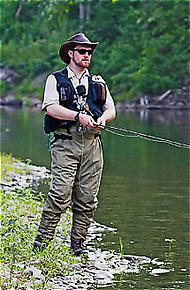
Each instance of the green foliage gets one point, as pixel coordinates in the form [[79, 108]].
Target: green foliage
[[18, 233], [25, 90], [3, 88], [121, 248], [8, 167], [20, 216], [25, 87], [143, 44]]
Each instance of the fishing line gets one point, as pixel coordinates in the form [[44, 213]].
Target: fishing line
[[111, 129], [119, 134]]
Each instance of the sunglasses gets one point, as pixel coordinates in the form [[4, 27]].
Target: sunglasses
[[83, 51]]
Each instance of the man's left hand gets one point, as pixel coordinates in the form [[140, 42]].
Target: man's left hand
[[101, 122]]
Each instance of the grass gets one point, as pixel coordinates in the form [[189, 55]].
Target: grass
[[9, 166], [121, 248], [20, 216]]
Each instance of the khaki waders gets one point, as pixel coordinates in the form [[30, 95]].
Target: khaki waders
[[76, 173]]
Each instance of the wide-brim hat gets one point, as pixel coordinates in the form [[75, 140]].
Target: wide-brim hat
[[79, 38]]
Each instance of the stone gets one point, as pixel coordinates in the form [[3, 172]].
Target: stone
[[7, 75], [33, 271], [159, 271]]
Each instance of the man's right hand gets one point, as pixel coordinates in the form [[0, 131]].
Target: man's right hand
[[87, 121]]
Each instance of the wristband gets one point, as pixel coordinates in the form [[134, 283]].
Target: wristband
[[77, 117]]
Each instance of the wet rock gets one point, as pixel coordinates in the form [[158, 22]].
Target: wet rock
[[14, 103], [11, 101], [98, 228], [139, 259], [159, 271], [156, 262], [103, 275]]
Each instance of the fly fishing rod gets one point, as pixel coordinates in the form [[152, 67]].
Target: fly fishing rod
[[123, 131]]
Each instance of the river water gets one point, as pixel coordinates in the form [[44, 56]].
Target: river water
[[144, 191]]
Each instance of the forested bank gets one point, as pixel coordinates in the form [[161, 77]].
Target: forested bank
[[143, 44]]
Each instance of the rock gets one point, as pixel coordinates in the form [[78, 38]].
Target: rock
[[171, 99], [103, 275], [2, 102], [159, 271], [9, 100], [40, 79], [36, 262], [138, 259], [98, 228], [156, 262], [15, 103], [101, 265], [7, 75], [33, 271], [34, 102], [5, 271]]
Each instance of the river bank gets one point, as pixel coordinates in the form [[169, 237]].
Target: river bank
[[169, 100], [55, 267], [31, 93]]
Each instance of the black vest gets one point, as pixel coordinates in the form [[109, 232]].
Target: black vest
[[95, 100]]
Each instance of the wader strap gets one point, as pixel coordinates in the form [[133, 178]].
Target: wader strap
[[62, 137], [66, 137]]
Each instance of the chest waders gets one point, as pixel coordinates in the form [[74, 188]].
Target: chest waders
[[77, 162]]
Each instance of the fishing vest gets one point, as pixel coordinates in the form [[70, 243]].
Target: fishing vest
[[96, 99]]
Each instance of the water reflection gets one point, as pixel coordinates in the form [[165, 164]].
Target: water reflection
[[161, 116], [144, 192]]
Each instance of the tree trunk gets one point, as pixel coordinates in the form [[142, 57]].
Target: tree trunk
[[88, 10], [19, 9], [81, 14]]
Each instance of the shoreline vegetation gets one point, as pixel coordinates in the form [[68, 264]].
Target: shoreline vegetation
[[28, 96], [56, 267], [147, 57], [21, 208]]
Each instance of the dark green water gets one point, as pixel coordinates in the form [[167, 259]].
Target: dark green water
[[144, 191]]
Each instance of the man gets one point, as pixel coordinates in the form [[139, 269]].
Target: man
[[78, 105]]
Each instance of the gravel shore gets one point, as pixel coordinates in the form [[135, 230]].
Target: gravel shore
[[97, 268]]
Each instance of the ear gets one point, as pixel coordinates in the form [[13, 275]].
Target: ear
[[70, 53]]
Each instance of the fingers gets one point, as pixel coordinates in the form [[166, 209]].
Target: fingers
[[100, 124], [87, 121]]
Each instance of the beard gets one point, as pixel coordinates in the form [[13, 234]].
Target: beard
[[84, 63]]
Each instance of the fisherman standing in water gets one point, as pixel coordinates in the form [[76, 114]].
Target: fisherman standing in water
[[76, 104]]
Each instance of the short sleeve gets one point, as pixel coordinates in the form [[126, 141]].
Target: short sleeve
[[109, 104], [51, 95]]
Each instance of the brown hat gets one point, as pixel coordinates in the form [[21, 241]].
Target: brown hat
[[79, 38]]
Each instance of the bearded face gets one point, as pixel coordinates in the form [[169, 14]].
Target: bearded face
[[81, 56]]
